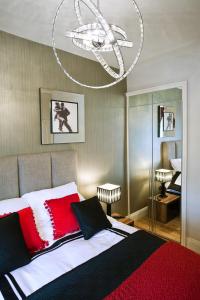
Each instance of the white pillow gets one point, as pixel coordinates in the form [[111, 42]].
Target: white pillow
[[36, 201], [12, 205], [176, 164], [64, 190]]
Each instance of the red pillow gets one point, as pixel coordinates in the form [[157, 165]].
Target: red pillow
[[62, 216], [31, 236]]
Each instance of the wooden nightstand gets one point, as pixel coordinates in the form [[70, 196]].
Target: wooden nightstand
[[167, 208], [123, 219]]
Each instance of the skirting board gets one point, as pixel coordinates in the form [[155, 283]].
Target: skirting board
[[193, 244], [139, 213]]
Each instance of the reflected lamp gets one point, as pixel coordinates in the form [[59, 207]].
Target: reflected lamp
[[163, 176]]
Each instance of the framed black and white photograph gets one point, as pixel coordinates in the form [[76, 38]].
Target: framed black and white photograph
[[166, 121], [169, 121], [64, 117]]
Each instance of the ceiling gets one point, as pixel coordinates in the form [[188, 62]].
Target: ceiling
[[169, 24]]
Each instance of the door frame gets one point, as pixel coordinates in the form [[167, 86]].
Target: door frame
[[184, 86]]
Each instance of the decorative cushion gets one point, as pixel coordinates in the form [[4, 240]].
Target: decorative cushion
[[31, 236], [91, 217], [173, 187], [13, 251], [178, 180], [63, 218], [42, 218]]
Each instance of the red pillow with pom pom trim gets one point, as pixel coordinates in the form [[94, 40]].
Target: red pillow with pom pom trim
[[62, 216]]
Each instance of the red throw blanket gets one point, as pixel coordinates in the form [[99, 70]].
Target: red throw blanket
[[171, 273]]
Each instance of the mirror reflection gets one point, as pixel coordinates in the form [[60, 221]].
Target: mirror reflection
[[155, 151]]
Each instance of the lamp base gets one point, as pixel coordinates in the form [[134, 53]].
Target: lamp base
[[162, 190], [109, 209]]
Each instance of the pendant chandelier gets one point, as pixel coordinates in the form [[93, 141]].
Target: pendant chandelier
[[100, 37]]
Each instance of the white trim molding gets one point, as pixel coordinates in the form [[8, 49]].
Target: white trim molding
[[143, 212], [183, 86], [193, 244]]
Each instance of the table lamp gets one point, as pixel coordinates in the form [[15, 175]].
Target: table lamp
[[109, 193], [163, 176]]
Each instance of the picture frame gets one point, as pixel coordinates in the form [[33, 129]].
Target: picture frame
[[166, 121], [60, 126], [64, 117]]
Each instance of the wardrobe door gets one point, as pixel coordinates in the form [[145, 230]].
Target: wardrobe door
[[140, 150], [167, 214], [148, 117]]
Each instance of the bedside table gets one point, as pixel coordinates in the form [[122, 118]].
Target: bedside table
[[167, 208], [123, 219]]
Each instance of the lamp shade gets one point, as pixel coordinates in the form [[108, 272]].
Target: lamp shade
[[109, 193], [164, 175]]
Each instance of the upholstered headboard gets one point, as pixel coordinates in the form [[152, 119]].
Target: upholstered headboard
[[31, 172], [170, 150]]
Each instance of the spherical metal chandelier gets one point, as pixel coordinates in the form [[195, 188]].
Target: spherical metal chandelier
[[99, 37]]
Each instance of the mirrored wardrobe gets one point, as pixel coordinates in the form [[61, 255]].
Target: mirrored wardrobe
[[154, 161]]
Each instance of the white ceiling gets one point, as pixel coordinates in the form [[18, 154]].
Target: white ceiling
[[169, 24]]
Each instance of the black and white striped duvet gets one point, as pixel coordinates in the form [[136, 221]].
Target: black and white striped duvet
[[62, 257]]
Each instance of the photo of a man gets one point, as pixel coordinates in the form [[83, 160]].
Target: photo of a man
[[64, 117], [168, 121]]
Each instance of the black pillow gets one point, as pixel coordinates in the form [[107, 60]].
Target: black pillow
[[173, 188], [13, 251], [91, 217]]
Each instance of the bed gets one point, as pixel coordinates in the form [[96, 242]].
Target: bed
[[119, 262]]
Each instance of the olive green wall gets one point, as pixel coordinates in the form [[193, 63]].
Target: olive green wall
[[25, 67]]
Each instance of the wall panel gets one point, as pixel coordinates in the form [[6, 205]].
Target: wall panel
[[25, 67]]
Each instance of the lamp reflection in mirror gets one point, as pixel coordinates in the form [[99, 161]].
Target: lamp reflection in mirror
[[109, 193], [163, 176]]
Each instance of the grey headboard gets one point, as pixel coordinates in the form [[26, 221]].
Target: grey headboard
[[31, 172], [170, 150]]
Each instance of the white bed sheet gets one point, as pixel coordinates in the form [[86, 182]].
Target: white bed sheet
[[53, 264]]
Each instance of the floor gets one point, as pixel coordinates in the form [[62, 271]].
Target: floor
[[170, 230]]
